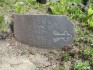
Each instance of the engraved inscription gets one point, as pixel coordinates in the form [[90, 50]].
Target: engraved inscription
[[42, 27], [58, 36]]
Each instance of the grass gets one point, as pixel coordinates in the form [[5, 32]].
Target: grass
[[79, 65], [1, 20]]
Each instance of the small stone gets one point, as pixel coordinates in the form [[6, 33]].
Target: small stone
[[86, 9], [3, 35]]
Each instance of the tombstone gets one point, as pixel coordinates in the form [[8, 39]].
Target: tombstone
[[46, 31]]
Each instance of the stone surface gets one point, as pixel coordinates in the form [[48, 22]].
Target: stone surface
[[49, 31]]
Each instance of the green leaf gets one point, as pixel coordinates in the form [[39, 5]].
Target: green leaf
[[77, 1], [90, 11], [90, 22], [79, 65]]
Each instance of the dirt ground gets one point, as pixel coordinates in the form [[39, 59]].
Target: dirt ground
[[17, 56]]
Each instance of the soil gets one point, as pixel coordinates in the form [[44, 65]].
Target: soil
[[17, 56]]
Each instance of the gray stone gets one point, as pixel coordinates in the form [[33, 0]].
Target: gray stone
[[49, 31]]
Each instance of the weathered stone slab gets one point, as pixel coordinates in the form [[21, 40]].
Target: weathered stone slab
[[49, 31]]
